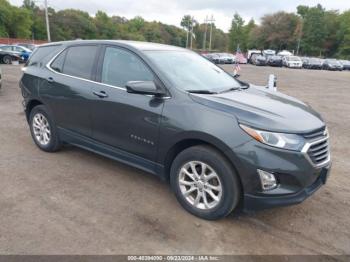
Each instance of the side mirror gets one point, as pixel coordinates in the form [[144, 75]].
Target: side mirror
[[144, 88], [272, 83]]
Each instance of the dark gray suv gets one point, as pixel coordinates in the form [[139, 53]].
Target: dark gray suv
[[221, 143]]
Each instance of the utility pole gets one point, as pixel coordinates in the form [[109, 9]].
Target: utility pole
[[188, 30], [205, 33], [300, 35], [191, 35], [47, 22], [211, 20]]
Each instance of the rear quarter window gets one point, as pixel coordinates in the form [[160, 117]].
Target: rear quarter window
[[42, 55]]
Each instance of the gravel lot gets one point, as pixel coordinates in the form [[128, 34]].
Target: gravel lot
[[76, 202]]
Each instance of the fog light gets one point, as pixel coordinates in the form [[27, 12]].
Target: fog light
[[268, 180]]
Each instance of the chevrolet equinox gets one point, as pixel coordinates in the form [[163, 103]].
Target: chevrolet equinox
[[222, 144]]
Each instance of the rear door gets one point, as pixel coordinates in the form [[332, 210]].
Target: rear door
[[126, 121], [69, 87]]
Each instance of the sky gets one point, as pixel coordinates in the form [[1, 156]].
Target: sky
[[171, 11]]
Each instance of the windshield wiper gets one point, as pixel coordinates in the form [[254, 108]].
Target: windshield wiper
[[230, 89], [205, 92]]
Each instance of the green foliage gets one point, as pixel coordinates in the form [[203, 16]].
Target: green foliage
[[72, 24], [314, 29], [343, 35], [104, 26], [186, 22], [321, 32], [236, 34], [277, 31], [14, 21]]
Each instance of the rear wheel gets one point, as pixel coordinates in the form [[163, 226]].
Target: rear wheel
[[43, 129], [7, 59], [205, 183]]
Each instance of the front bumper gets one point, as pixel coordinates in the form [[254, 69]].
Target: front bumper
[[295, 65], [260, 63], [297, 175], [275, 63], [264, 201]]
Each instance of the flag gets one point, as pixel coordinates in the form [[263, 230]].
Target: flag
[[239, 56]]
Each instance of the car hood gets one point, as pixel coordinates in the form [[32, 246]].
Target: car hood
[[264, 109]]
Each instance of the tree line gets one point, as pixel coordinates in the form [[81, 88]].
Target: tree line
[[312, 31]]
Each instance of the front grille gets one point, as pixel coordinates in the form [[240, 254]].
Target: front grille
[[319, 133], [318, 150]]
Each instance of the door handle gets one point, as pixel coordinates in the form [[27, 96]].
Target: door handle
[[50, 79], [101, 94]]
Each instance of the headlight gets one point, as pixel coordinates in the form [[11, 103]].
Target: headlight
[[280, 140]]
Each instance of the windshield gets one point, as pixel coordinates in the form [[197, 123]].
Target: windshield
[[333, 62], [190, 72], [315, 60], [22, 48], [294, 58]]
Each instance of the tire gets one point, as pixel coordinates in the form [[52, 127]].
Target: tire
[[7, 59], [47, 143], [226, 179]]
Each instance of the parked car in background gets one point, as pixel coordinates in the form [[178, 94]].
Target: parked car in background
[[207, 56], [258, 60], [284, 53], [226, 58], [251, 54], [314, 63], [19, 50], [213, 57], [7, 57], [333, 65], [345, 64], [292, 62], [268, 52], [29, 46], [305, 61], [274, 60]]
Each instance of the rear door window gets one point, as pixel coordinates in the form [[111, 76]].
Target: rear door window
[[80, 61], [57, 65]]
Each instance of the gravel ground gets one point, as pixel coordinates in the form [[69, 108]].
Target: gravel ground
[[76, 202]]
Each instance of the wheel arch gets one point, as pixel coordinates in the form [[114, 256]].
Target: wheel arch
[[195, 140], [30, 105]]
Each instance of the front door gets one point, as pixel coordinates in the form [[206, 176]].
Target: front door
[[129, 122]]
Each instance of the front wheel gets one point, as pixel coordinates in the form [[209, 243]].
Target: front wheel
[[7, 59], [205, 183]]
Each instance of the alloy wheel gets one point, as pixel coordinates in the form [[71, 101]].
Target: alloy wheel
[[41, 129], [7, 60], [200, 185]]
